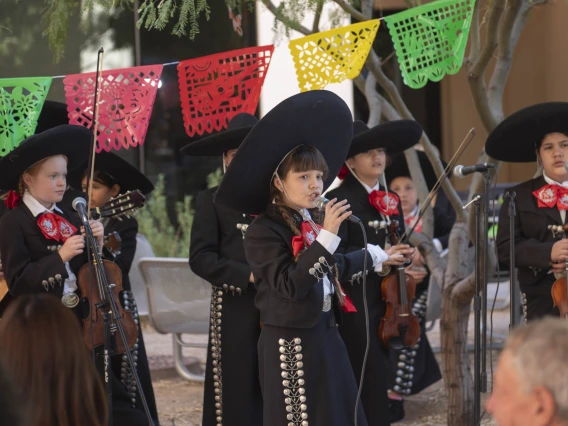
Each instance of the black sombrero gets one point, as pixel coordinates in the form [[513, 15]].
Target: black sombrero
[[517, 137], [399, 167], [319, 118], [52, 114], [394, 136], [125, 174], [70, 141], [238, 128]]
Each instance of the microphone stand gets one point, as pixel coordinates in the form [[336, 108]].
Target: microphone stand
[[481, 203], [512, 269], [112, 322]]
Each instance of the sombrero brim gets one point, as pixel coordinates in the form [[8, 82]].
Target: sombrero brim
[[515, 139], [318, 118], [217, 144], [128, 177], [394, 136], [70, 141], [399, 167]]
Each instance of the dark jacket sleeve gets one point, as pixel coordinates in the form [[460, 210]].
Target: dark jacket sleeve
[[204, 257], [271, 258], [529, 252], [444, 219], [127, 231], [22, 274]]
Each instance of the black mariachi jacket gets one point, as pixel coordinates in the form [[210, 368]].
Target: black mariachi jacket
[[349, 232], [29, 259], [533, 239], [288, 295], [216, 251], [127, 228]]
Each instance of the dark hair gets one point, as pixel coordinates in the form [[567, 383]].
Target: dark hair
[[103, 178], [44, 354], [13, 410], [302, 159]]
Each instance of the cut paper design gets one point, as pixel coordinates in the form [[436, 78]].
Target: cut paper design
[[126, 99], [21, 101], [213, 89], [332, 56], [430, 39]]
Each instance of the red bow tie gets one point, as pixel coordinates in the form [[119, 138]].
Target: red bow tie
[[54, 227], [387, 204], [552, 195], [410, 221]]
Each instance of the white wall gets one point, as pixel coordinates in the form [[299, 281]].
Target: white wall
[[281, 82]]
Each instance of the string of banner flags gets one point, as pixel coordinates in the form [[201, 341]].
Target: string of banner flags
[[429, 41]]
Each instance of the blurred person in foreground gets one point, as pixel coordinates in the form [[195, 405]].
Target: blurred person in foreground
[[12, 407], [45, 357], [531, 381]]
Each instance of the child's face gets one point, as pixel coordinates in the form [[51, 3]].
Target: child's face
[[368, 165], [406, 190], [48, 184], [101, 193], [303, 188]]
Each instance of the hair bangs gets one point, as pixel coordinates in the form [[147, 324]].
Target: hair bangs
[[303, 159]]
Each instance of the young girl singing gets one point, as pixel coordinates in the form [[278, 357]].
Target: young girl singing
[[280, 170], [232, 395], [114, 176]]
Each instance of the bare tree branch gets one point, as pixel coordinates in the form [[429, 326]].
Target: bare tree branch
[[474, 36], [317, 17], [374, 101], [477, 70], [367, 8], [510, 30], [296, 26], [436, 264], [355, 14]]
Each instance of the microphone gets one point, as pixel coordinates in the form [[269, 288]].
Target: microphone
[[80, 206], [321, 202], [463, 171], [566, 166]]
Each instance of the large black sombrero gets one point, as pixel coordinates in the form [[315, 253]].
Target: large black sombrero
[[70, 141], [394, 136], [517, 137], [318, 118], [128, 177], [399, 167], [52, 114], [238, 128]]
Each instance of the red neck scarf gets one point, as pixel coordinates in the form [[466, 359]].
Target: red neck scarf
[[410, 220], [54, 227], [386, 204], [552, 195]]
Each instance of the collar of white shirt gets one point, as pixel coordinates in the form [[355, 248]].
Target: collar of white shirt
[[553, 182], [369, 189], [36, 207]]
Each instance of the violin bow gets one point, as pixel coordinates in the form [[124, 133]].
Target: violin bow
[[93, 148], [424, 206]]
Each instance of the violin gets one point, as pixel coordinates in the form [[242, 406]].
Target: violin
[[559, 289], [399, 328], [93, 325]]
